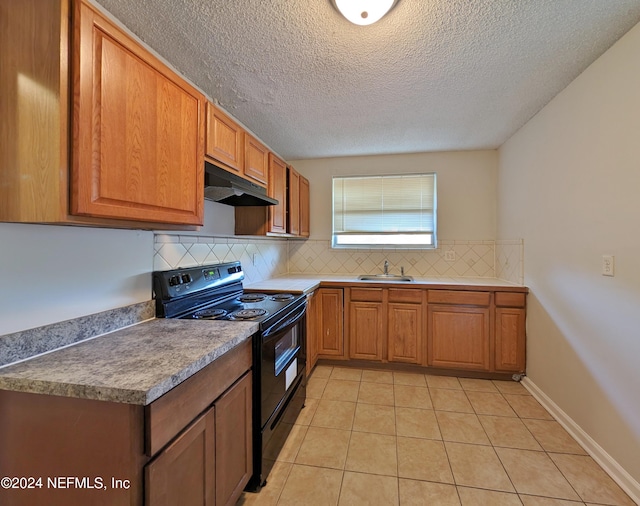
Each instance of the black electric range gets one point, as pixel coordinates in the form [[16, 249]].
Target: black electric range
[[215, 292]]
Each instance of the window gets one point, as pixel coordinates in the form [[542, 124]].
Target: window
[[384, 211]]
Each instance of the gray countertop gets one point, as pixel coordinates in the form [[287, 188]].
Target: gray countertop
[[135, 365]]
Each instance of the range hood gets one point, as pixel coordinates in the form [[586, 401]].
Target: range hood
[[226, 188]]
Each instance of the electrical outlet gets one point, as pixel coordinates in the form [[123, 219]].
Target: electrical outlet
[[450, 255], [607, 265]]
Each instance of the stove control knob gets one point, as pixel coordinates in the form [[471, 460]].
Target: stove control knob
[[186, 278], [175, 280]]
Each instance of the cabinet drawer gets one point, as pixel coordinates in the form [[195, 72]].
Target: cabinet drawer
[[366, 294], [459, 297], [510, 299], [168, 415], [404, 295]]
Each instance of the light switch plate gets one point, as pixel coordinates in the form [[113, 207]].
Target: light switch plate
[[607, 265]]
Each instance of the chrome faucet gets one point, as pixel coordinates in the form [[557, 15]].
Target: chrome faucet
[[386, 267]]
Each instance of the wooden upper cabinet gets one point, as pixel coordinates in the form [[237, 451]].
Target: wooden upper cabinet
[[278, 191], [293, 214], [224, 140], [232, 148], [290, 216], [304, 207], [256, 161], [34, 80], [138, 135]]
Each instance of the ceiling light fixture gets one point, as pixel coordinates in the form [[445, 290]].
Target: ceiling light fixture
[[363, 12]]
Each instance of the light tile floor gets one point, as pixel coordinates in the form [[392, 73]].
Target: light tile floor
[[388, 438]]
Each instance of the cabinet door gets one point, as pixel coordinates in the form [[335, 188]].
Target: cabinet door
[[404, 333], [256, 161], [330, 338], [138, 130], [278, 191], [224, 140], [293, 213], [34, 104], [366, 330], [458, 337], [313, 322], [183, 473], [234, 453], [510, 340], [304, 207]]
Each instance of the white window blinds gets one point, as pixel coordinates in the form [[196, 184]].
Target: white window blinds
[[377, 211]]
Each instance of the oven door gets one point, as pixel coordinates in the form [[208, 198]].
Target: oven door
[[283, 359]]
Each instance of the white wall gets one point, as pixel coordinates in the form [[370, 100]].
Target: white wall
[[569, 184], [51, 273], [466, 188], [219, 219]]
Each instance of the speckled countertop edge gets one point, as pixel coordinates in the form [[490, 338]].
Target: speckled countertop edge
[[135, 365]]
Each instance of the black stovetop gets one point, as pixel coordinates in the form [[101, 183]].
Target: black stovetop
[[214, 292]]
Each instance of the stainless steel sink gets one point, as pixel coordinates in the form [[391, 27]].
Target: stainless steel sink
[[386, 277]]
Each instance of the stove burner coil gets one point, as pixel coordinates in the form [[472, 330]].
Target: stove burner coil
[[252, 297], [281, 297], [210, 314], [248, 314]]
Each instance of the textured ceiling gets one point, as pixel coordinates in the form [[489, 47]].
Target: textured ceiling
[[432, 75]]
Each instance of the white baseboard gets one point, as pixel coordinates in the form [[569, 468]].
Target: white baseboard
[[610, 466]]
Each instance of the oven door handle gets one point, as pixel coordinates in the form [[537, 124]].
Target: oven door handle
[[289, 323]]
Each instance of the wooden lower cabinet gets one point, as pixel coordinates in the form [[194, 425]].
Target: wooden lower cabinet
[[404, 333], [510, 353], [192, 446], [330, 323], [386, 324], [313, 322], [183, 472], [366, 330], [233, 450], [50, 436], [458, 337], [466, 330], [211, 461]]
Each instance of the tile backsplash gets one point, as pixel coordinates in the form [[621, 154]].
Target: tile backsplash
[[450, 259], [510, 260], [264, 258], [261, 258]]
